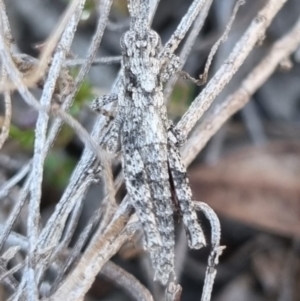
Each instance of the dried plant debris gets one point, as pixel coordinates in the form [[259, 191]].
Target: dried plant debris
[[45, 254]]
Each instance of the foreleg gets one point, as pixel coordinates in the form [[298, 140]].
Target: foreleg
[[171, 66], [101, 101], [110, 140]]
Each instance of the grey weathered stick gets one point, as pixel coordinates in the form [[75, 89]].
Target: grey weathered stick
[[96, 61], [23, 90], [57, 123], [7, 116], [188, 44], [23, 194], [42, 121], [126, 281], [216, 249], [119, 276], [11, 271], [8, 278], [13, 181], [7, 275], [15, 75], [92, 52], [238, 55], [9, 281], [183, 27], [39, 147], [85, 234], [93, 221], [234, 102], [15, 239], [173, 292], [55, 111], [103, 247], [5, 24], [5, 31], [281, 49], [203, 77], [53, 230], [47, 51], [14, 215]]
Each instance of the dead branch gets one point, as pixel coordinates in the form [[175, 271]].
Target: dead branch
[[237, 100]]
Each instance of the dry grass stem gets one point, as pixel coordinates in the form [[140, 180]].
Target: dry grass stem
[[261, 72], [46, 248], [238, 55]]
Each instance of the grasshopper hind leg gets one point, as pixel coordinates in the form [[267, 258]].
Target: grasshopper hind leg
[[183, 194], [140, 197]]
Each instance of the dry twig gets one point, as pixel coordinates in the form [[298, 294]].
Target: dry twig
[[44, 246], [237, 100]]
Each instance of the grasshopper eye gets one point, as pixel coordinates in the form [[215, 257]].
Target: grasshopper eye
[[154, 38], [127, 40], [155, 42]]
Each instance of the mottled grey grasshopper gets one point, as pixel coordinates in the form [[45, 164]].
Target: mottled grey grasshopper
[[149, 143]]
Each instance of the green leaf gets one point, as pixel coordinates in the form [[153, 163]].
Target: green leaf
[[58, 169], [25, 137], [181, 98]]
